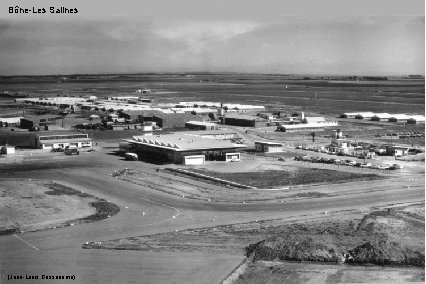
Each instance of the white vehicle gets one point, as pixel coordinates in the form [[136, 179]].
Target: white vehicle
[[366, 165], [383, 167]]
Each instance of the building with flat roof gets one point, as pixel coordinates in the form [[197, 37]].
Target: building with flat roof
[[244, 120], [358, 115], [381, 116], [313, 126], [268, 146], [10, 121], [45, 139], [416, 119], [178, 148], [49, 140], [201, 125], [163, 120], [399, 118], [365, 115]]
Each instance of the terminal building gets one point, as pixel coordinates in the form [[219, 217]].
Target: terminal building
[[184, 149]]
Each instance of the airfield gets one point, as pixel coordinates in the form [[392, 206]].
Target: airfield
[[158, 206]]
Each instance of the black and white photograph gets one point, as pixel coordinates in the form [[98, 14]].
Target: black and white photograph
[[223, 142]]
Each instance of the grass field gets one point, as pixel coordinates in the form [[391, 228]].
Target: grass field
[[295, 176], [35, 205]]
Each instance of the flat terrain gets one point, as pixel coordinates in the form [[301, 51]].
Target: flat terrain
[[60, 249], [169, 229], [333, 97], [290, 272], [393, 235], [290, 176], [26, 206]]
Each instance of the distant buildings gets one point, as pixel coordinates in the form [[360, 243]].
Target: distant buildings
[[244, 120], [386, 117], [315, 123], [200, 125]]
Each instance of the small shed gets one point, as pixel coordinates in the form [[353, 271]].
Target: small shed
[[268, 147], [7, 150]]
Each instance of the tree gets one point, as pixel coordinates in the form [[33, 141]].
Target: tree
[[313, 137], [212, 117]]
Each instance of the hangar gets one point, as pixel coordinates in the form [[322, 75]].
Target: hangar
[[182, 149]]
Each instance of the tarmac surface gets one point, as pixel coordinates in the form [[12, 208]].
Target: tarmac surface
[[58, 251]]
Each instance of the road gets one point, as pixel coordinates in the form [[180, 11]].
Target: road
[[58, 251]]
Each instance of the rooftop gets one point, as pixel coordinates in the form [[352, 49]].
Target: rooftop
[[179, 142], [268, 143], [201, 123]]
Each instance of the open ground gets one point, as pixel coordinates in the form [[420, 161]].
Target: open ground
[[169, 218]]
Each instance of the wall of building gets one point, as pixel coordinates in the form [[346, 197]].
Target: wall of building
[[18, 139], [240, 122]]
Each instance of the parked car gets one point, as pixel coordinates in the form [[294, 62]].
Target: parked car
[[383, 167], [366, 165], [350, 162], [71, 151], [57, 150]]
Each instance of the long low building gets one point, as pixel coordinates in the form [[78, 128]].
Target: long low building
[[306, 126], [201, 125], [182, 149], [45, 139], [10, 121], [52, 141]]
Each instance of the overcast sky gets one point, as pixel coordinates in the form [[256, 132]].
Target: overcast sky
[[357, 45]]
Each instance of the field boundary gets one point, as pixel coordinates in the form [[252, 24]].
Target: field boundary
[[203, 176]]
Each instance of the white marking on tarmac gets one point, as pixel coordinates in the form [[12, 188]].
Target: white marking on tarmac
[[25, 242]]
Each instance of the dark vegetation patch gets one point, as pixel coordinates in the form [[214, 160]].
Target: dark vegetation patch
[[104, 208], [9, 231], [270, 179], [309, 194], [381, 237]]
